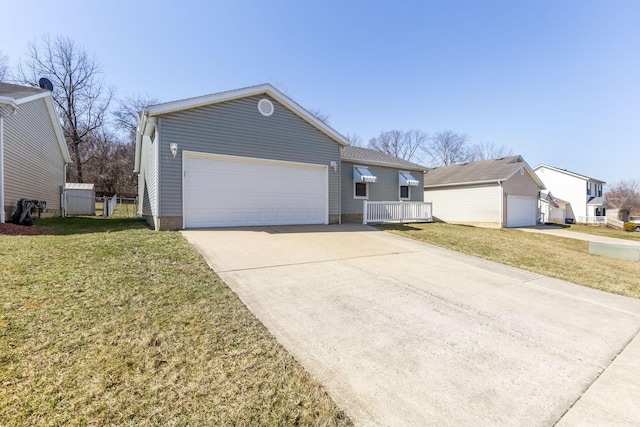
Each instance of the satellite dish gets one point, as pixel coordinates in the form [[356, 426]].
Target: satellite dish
[[45, 83]]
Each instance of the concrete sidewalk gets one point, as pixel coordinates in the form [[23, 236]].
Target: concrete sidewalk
[[401, 333], [561, 232]]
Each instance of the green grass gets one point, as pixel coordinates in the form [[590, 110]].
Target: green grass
[[105, 322], [122, 210], [606, 232], [562, 258]]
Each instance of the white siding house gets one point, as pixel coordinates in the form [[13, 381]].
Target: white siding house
[[584, 196], [491, 193], [33, 151]]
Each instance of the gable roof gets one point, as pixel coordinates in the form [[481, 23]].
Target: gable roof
[[15, 95], [18, 92], [263, 89], [481, 172], [566, 172], [375, 157], [147, 118]]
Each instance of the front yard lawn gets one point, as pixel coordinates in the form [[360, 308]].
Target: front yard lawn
[[105, 322], [606, 232], [562, 258]]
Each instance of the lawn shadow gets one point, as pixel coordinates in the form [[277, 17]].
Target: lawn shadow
[[86, 225]]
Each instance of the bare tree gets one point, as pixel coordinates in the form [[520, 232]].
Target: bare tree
[[447, 148], [625, 195], [320, 115], [79, 91], [354, 139], [488, 151], [403, 144], [125, 117], [4, 67], [110, 166]]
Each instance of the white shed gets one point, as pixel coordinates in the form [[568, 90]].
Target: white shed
[[80, 198]]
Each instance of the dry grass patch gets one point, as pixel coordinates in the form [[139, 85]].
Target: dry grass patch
[[562, 258], [606, 232], [109, 323]]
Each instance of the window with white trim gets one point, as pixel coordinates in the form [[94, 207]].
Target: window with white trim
[[405, 182], [360, 190], [405, 192]]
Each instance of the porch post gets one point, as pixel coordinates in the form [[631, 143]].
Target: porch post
[[364, 212]]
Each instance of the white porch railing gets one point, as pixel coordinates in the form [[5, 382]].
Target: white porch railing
[[600, 220], [396, 211], [593, 220]]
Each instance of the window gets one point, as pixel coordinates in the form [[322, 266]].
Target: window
[[404, 192], [588, 188], [361, 190]]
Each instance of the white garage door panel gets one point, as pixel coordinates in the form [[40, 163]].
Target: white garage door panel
[[230, 191], [521, 211]]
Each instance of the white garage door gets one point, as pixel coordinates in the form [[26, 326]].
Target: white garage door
[[521, 211], [224, 191]]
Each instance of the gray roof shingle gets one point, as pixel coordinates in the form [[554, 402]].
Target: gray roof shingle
[[375, 157], [481, 171], [18, 91]]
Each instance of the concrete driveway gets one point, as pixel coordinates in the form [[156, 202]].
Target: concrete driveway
[[403, 333]]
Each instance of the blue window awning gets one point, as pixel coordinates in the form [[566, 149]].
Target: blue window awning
[[407, 179], [362, 174]]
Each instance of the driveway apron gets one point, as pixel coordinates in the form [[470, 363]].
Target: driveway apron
[[404, 333]]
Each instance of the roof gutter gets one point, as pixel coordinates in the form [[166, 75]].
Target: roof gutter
[[456, 184], [388, 165]]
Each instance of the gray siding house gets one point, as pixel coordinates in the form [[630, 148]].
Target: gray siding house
[[375, 176], [251, 157], [33, 151], [490, 193], [244, 157]]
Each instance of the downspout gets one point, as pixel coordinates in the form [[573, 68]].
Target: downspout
[[7, 108], [501, 204], [64, 191]]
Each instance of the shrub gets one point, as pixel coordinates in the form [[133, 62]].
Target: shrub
[[630, 226]]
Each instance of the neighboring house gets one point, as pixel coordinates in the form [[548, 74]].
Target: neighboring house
[[33, 151], [490, 193], [584, 195], [375, 176]]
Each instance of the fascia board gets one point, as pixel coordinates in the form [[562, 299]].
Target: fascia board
[[458, 184], [383, 164], [57, 128], [33, 97]]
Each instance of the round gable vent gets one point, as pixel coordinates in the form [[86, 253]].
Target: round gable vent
[[265, 107]]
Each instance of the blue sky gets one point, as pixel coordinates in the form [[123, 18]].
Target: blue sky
[[555, 81]]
